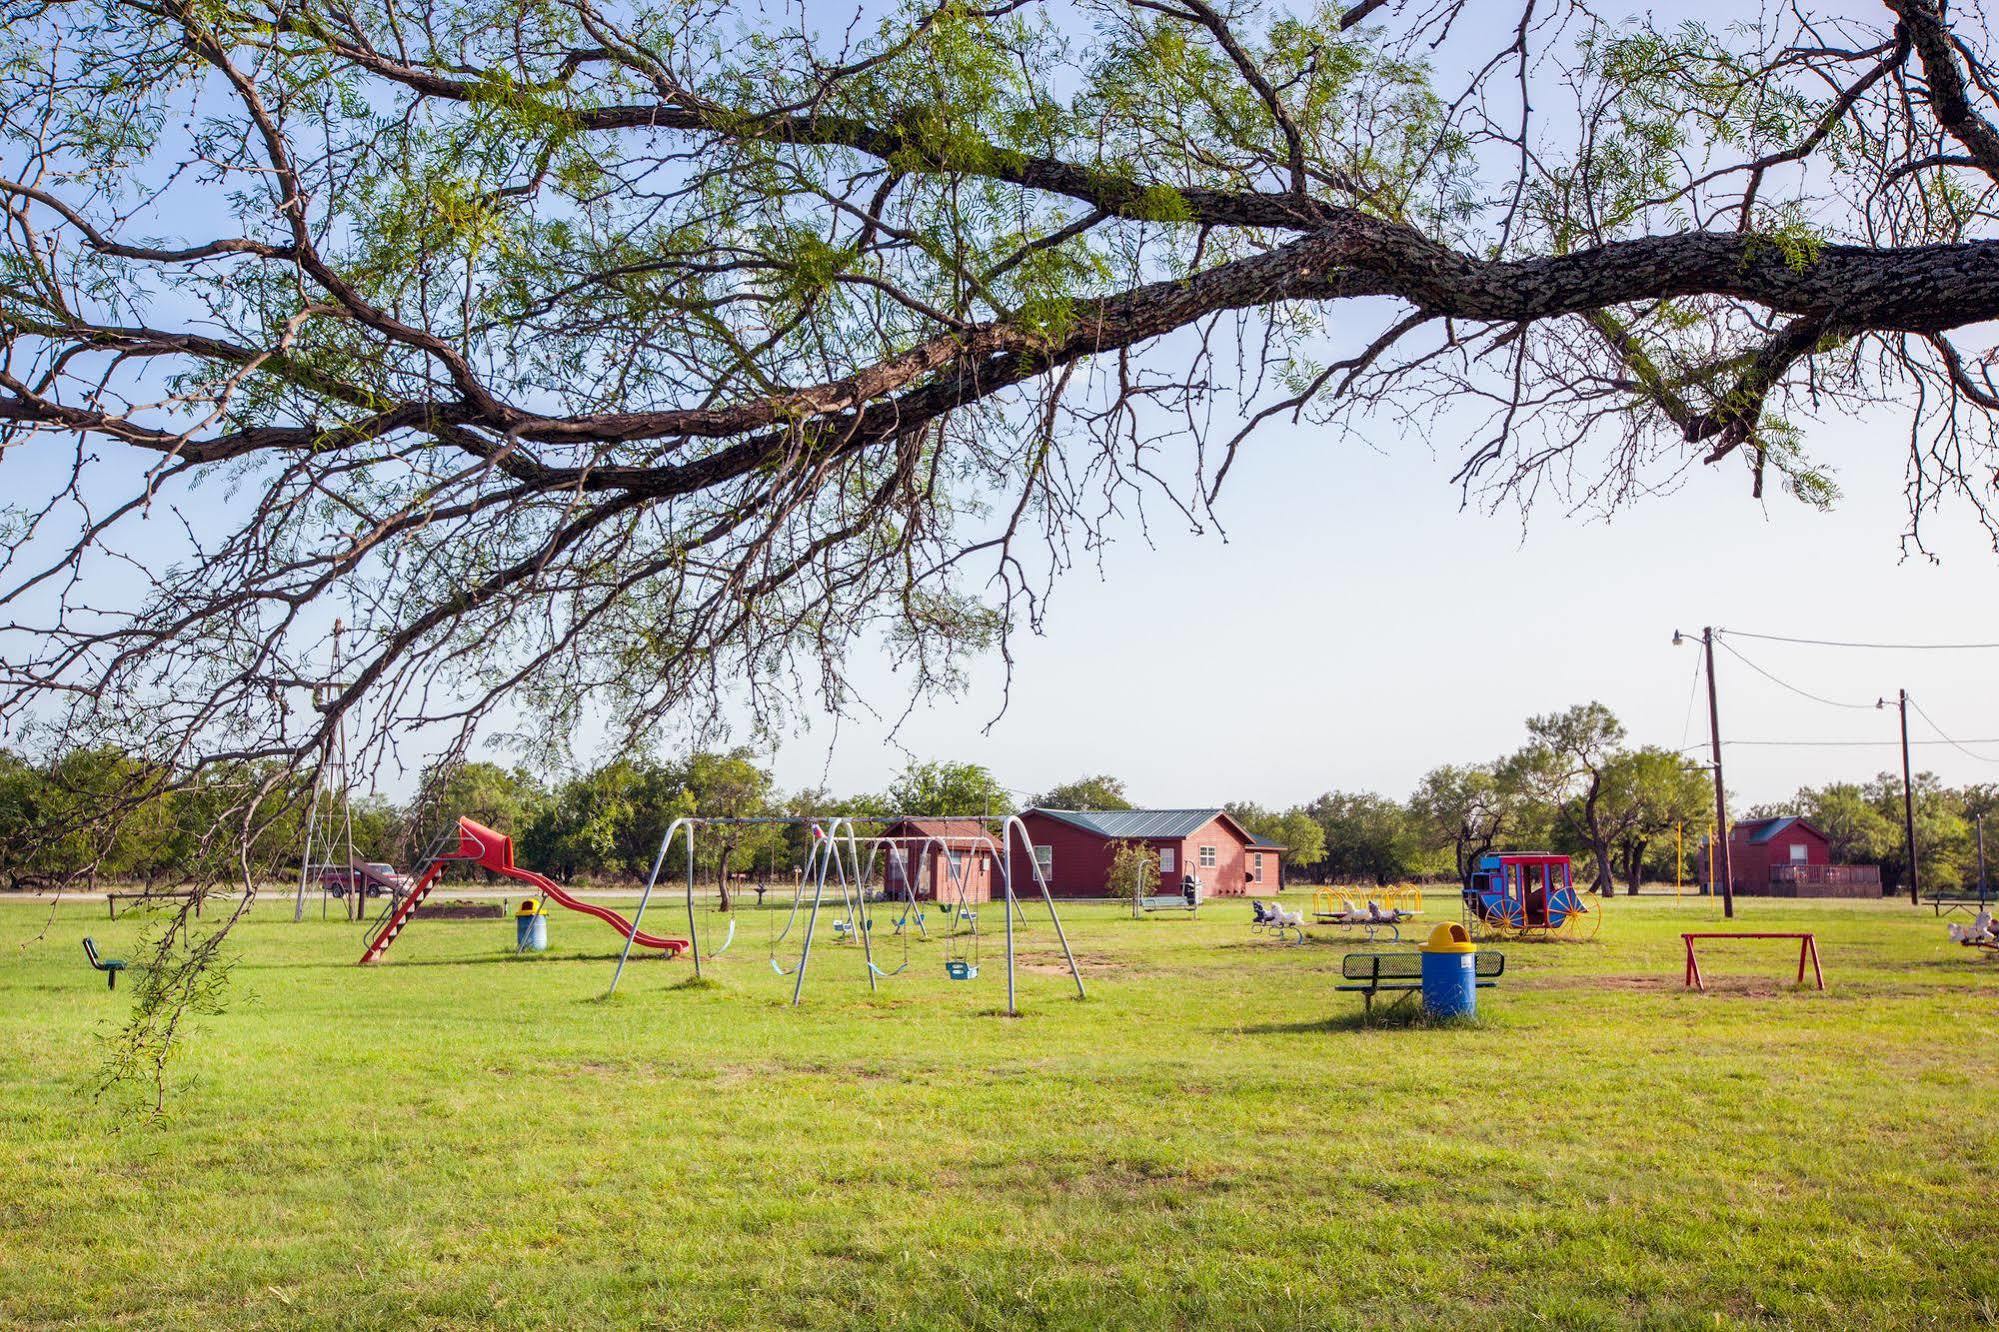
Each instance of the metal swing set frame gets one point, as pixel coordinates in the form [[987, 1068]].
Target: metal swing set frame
[[836, 856], [904, 850]]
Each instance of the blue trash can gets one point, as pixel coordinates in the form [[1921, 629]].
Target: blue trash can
[[530, 927], [1450, 973]]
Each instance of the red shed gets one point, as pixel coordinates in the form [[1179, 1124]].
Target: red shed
[[952, 856], [1075, 848]]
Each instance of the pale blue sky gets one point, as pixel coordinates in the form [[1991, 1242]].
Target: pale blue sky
[[1171, 673]]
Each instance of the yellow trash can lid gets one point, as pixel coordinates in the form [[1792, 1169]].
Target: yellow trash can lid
[[528, 907], [1449, 939]]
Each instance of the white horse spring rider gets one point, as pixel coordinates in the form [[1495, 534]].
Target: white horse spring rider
[[1272, 917], [1978, 934]]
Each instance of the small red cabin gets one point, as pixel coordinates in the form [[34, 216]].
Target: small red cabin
[[1075, 847], [1788, 857], [941, 860]]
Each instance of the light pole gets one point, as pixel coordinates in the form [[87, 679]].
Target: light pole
[[1908, 790], [1718, 858]]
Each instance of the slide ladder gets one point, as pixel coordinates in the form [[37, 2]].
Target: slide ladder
[[404, 908], [481, 846]]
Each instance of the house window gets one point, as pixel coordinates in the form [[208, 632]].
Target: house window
[[1166, 860], [1256, 867], [1044, 860], [957, 864], [1798, 853], [1207, 857]]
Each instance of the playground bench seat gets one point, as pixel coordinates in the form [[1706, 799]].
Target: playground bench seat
[[110, 966], [1371, 973], [145, 897]]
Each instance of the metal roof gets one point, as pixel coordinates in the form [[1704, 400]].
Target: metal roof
[[1133, 823], [941, 825], [1762, 830]]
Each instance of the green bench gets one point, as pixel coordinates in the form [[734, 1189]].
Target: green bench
[[110, 966], [1941, 903], [1371, 973]]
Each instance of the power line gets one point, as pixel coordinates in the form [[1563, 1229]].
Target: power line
[[1848, 744], [1958, 745], [1802, 693], [1878, 647], [1891, 744], [1693, 696]]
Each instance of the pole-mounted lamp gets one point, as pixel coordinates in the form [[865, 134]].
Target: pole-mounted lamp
[[1908, 791], [1718, 857]]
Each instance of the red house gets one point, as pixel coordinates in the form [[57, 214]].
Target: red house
[[1075, 849], [1788, 857]]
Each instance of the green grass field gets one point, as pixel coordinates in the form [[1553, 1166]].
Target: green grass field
[[460, 1138]]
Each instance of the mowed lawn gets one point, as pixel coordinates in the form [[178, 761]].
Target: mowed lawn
[[460, 1138]]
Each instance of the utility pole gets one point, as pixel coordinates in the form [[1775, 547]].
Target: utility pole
[[1718, 844], [1908, 796]]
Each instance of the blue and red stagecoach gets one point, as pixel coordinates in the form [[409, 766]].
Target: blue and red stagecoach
[[1526, 894]]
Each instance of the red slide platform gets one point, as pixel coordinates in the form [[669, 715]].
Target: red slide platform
[[481, 846]]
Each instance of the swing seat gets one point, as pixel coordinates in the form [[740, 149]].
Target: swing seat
[[960, 971]]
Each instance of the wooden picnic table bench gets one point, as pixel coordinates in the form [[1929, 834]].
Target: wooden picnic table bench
[[1808, 946], [111, 900], [1375, 972], [1941, 903]]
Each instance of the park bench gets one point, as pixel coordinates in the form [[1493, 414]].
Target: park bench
[[111, 900], [110, 966], [1941, 903], [1374, 972]]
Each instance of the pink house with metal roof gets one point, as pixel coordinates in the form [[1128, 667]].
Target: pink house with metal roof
[[1075, 847]]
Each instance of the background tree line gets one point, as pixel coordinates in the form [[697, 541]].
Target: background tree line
[[1628, 814]]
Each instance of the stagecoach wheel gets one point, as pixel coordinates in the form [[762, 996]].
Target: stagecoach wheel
[[1509, 916], [1583, 919], [1493, 926]]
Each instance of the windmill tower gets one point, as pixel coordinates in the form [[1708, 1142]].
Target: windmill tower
[[329, 819]]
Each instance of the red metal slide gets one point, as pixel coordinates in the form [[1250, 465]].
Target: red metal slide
[[481, 846]]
